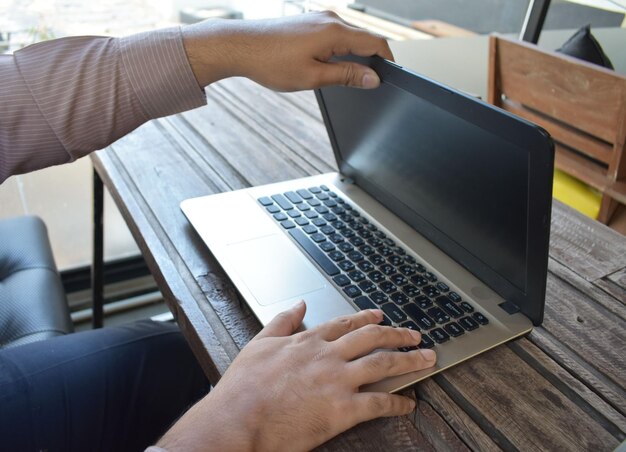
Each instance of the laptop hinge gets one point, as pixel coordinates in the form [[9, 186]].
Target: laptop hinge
[[509, 307]]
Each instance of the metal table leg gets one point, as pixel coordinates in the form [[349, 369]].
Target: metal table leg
[[97, 265]]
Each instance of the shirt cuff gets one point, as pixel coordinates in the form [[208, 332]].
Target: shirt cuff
[[159, 72]]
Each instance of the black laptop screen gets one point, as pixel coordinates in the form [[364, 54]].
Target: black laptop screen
[[464, 182]]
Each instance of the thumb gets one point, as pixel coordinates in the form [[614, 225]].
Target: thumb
[[348, 74], [285, 323]]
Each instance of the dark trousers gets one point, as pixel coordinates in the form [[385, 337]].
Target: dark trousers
[[113, 389]]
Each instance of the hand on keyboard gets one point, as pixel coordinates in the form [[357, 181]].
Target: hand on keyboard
[[296, 391]]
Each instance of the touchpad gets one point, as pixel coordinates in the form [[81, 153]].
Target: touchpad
[[274, 269]]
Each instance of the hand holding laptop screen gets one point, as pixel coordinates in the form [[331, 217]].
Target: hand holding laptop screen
[[296, 391], [284, 54]]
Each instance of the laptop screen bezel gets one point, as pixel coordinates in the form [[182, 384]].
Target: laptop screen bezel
[[540, 171]]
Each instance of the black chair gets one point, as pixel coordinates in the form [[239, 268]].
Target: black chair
[[33, 305]]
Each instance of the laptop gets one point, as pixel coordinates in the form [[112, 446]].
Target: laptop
[[439, 215]]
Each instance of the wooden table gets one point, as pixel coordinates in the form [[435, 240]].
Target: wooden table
[[563, 387]]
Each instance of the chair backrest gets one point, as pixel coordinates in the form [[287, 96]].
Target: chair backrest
[[582, 105]]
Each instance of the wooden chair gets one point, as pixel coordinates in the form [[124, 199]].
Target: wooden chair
[[583, 107]]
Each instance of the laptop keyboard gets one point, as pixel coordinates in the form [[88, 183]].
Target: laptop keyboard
[[370, 268]]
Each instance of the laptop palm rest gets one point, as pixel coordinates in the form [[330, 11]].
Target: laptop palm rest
[[273, 270]]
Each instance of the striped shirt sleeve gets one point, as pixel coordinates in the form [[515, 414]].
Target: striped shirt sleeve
[[62, 99]]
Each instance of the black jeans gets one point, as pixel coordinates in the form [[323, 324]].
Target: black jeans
[[112, 389]]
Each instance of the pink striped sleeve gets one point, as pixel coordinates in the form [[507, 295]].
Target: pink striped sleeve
[[62, 99]]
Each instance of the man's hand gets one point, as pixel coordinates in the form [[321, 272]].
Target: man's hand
[[284, 54], [292, 392]]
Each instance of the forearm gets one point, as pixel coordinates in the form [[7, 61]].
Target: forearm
[[65, 98]]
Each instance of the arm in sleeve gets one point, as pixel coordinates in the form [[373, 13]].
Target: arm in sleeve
[[62, 99]]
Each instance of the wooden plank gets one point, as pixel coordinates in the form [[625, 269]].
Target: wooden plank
[[266, 116], [580, 141], [590, 289], [441, 29], [589, 248], [518, 408], [585, 328], [573, 388], [582, 95], [468, 431], [388, 29]]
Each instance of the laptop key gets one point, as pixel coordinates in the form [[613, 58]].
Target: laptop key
[[387, 287], [439, 315], [407, 270], [352, 291], [282, 202], [430, 276], [447, 305], [314, 202], [366, 266], [346, 247], [455, 297], [338, 211], [367, 286], [365, 234], [357, 241], [312, 250], [409, 259], [302, 221], [411, 290], [426, 342], [327, 246], [374, 242], [466, 306], [336, 256], [453, 329], [319, 222], [394, 312], [347, 233], [341, 280], [315, 190], [419, 280], [328, 229], [410, 325], [321, 209], [355, 256], [293, 197], [377, 259], [312, 215], [322, 196], [468, 323], [366, 250], [379, 297], [431, 291], [399, 298], [376, 276], [418, 316], [332, 194], [304, 193], [442, 286], [338, 224], [303, 207], [420, 268], [273, 209], [356, 276], [423, 302], [395, 260], [385, 251], [265, 201], [480, 318], [335, 238], [280, 216], [330, 203], [387, 269], [364, 303], [398, 279], [439, 335], [324, 187], [293, 213], [318, 238], [288, 224], [329, 216], [346, 265]]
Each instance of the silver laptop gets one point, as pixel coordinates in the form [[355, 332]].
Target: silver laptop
[[439, 216]]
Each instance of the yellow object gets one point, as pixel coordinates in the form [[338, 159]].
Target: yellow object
[[576, 194]]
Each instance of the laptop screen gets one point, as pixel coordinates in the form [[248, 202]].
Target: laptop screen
[[451, 174]]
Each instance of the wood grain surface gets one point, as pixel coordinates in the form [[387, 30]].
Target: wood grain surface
[[561, 388]]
